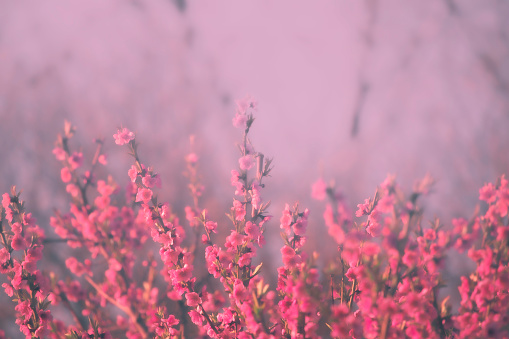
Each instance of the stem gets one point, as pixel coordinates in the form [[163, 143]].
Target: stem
[[205, 314], [354, 287], [439, 316], [385, 327], [332, 289], [137, 321], [301, 324], [78, 320]]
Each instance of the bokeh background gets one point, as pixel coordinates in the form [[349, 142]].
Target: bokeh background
[[350, 91]]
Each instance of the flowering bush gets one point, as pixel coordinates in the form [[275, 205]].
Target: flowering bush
[[383, 283]]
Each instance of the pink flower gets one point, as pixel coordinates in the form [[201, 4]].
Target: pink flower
[[252, 230], [6, 200], [111, 275], [319, 190], [240, 120], [239, 291], [103, 160], [235, 239], [487, 193], [503, 233], [114, 264], [239, 186], [5, 256], [144, 194], [45, 316], [211, 226], [170, 321], [363, 208], [102, 202], [286, 219], [245, 103], [104, 189], [75, 267], [76, 160], [193, 299], [192, 158], [196, 317], [410, 258], [191, 216], [59, 153], [240, 211], [256, 199], [290, 258], [299, 227], [151, 181], [24, 309], [65, 174], [185, 273], [16, 228], [30, 266], [336, 232], [385, 204], [73, 190], [246, 162], [503, 201], [133, 173], [374, 227], [19, 243], [9, 290], [123, 136]]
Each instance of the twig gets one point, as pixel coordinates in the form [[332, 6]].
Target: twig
[[140, 326]]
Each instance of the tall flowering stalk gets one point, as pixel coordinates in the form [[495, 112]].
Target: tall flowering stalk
[[300, 291], [484, 310], [107, 231], [389, 267], [22, 249]]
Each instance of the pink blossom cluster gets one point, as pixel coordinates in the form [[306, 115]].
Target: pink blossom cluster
[[22, 248], [385, 281]]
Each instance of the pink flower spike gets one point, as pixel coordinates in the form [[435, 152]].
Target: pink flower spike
[[144, 194], [123, 136]]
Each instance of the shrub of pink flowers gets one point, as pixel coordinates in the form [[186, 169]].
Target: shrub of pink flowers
[[384, 281]]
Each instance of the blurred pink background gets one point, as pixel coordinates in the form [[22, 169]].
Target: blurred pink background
[[350, 91]]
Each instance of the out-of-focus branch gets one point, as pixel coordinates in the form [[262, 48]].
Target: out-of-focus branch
[[359, 105], [364, 87], [489, 65]]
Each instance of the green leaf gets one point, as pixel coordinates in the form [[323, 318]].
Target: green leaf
[[256, 270]]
